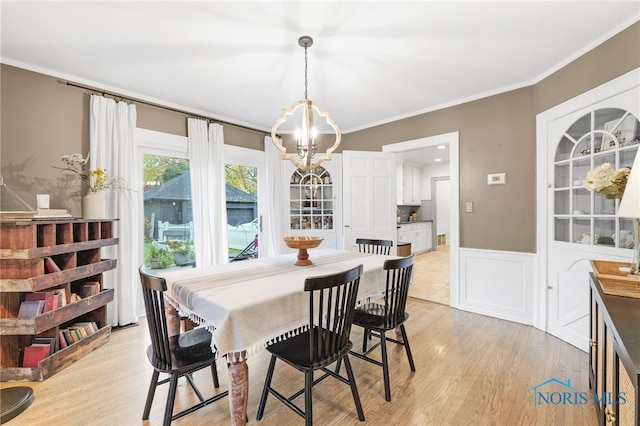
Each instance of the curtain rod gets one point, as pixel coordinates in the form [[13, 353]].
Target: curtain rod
[[128, 99]]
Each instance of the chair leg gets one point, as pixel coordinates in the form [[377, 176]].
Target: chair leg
[[265, 390], [150, 395], [365, 337], [354, 388], [407, 348], [308, 400], [385, 366], [168, 412], [214, 373]]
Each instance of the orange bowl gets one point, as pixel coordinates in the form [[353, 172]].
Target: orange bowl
[[302, 242]]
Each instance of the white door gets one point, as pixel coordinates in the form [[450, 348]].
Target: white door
[[369, 190], [575, 219]]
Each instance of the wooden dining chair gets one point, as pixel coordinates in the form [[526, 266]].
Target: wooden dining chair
[[332, 299], [178, 355], [366, 245], [378, 318]]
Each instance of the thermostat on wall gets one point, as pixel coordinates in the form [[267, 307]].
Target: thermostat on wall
[[496, 179]]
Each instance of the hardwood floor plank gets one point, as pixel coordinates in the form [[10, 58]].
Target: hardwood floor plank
[[471, 369]]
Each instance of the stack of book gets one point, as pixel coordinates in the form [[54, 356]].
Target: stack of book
[[40, 348], [40, 302], [52, 214], [76, 332]]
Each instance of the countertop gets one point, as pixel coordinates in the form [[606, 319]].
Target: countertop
[[415, 221]]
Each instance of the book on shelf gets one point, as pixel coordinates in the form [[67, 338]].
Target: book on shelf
[[31, 308], [62, 341], [50, 299], [90, 327], [51, 341], [50, 266], [62, 296], [34, 354], [89, 289], [67, 336]]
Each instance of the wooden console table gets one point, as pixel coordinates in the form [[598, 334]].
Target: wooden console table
[[614, 356]]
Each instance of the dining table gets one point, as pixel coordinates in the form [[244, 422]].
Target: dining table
[[247, 305]]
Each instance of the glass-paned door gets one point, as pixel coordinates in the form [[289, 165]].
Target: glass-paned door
[[244, 173], [242, 211], [168, 215]]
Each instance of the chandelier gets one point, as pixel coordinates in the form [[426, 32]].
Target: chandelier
[[306, 144]]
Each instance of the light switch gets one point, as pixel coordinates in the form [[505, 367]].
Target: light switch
[[469, 206], [497, 179]]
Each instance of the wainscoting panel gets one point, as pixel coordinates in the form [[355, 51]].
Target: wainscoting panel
[[497, 284]]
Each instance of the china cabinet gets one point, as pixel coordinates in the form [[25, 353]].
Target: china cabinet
[[314, 202]]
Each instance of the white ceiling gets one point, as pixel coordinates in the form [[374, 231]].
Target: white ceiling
[[371, 62]]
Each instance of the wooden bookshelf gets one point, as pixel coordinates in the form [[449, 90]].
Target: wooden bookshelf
[[75, 248]]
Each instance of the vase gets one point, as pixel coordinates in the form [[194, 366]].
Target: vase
[[93, 206]]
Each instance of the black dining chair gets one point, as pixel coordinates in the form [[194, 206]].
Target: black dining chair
[[378, 318], [178, 355], [332, 300], [366, 245]]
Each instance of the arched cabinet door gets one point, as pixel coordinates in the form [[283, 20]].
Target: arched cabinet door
[[315, 201], [580, 216], [575, 224]]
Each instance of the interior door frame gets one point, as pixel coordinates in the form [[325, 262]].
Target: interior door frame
[[453, 140]]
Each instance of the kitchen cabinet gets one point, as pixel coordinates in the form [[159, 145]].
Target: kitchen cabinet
[[409, 184], [614, 356], [419, 234]]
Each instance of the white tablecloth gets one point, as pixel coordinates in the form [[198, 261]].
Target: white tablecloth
[[248, 303]]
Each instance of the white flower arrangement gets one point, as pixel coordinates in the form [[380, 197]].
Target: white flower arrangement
[[607, 181]]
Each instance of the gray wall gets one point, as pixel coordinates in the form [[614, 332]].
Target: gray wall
[[497, 134], [41, 120]]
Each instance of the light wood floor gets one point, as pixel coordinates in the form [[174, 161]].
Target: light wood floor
[[471, 370], [431, 275]]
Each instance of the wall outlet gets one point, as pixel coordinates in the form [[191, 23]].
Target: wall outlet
[[497, 179], [468, 207]]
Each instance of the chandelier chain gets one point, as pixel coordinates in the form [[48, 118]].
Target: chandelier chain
[[305, 73]]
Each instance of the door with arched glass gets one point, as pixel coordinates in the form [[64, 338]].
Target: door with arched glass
[[580, 224]]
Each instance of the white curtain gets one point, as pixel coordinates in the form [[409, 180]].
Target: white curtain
[[208, 195], [276, 202], [111, 146]]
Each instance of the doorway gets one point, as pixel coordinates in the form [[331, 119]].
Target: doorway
[[448, 252]]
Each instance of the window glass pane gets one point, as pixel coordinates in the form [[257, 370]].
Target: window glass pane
[[605, 230], [582, 231], [242, 211], [562, 229], [168, 217]]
